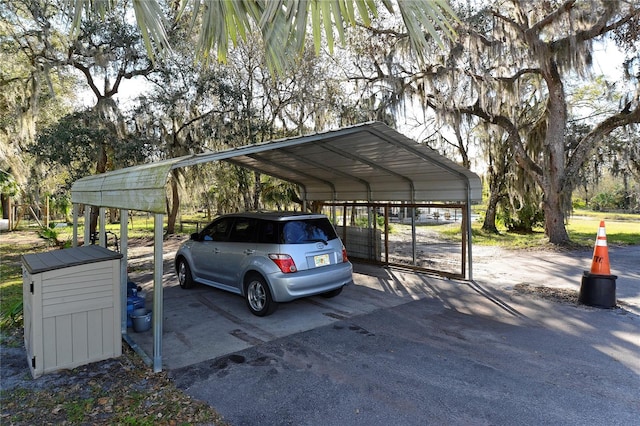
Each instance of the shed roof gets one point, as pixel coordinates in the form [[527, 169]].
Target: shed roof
[[366, 162], [36, 263]]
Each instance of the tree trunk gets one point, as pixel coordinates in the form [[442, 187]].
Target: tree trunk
[[174, 206], [554, 220], [555, 200], [489, 224], [101, 167], [257, 191], [4, 201], [498, 161]]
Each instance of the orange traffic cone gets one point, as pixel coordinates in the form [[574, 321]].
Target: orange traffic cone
[[600, 264]]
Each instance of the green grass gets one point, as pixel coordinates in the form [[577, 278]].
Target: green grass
[[140, 226], [621, 229], [584, 231], [607, 216]]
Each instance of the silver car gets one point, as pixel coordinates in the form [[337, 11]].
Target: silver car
[[267, 258]]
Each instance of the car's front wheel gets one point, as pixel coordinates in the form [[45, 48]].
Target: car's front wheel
[[258, 296], [184, 274]]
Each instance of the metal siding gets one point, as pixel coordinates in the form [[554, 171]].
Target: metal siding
[[146, 199], [139, 187]]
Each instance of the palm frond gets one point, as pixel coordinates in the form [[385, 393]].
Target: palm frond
[[151, 22], [284, 24]]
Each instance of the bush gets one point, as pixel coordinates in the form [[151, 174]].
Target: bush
[[523, 219], [12, 317], [363, 222], [618, 199]]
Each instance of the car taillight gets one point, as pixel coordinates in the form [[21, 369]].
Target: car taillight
[[344, 254], [284, 262]]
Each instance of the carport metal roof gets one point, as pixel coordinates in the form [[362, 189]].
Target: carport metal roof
[[366, 162]]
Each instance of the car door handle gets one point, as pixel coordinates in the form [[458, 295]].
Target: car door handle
[[249, 251], [216, 250]]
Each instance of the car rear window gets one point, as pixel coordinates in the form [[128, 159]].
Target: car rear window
[[306, 231], [301, 231]]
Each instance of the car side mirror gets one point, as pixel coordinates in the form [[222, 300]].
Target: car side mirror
[[195, 236]]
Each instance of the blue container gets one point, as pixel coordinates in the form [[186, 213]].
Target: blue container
[[132, 289], [133, 303]]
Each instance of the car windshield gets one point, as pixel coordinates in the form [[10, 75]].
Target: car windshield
[[306, 231]]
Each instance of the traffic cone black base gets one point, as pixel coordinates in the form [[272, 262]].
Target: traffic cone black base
[[598, 290]]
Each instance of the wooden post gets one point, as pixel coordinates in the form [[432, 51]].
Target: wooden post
[[46, 211], [10, 214]]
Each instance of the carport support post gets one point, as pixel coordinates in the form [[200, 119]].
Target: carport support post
[[102, 236], [74, 240], [414, 252], [124, 247], [469, 232], [157, 293], [87, 225]]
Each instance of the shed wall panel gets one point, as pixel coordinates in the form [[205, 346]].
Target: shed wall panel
[[80, 335], [73, 306], [95, 346], [48, 344], [109, 329], [63, 340]]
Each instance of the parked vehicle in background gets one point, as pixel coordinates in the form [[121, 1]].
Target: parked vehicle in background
[[267, 257]]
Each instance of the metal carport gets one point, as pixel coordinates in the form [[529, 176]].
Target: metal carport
[[366, 162]]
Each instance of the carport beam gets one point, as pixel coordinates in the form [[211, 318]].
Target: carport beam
[[157, 293]]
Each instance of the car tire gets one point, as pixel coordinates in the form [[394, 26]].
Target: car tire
[[332, 293], [258, 296], [185, 279]]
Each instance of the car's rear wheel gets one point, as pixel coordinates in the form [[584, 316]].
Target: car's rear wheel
[[332, 293], [258, 296], [184, 274]]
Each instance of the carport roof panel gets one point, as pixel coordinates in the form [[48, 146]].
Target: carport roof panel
[[365, 162]]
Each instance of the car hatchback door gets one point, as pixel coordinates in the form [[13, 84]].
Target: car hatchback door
[[312, 243]]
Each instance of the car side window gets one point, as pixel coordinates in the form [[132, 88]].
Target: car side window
[[218, 230], [268, 232], [244, 230]]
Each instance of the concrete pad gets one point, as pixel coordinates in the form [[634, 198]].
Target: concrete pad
[[206, 323]]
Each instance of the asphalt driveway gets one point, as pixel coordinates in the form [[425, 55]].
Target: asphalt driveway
[[405, 348]]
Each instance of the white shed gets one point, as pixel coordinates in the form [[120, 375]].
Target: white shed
[[71, 307]]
